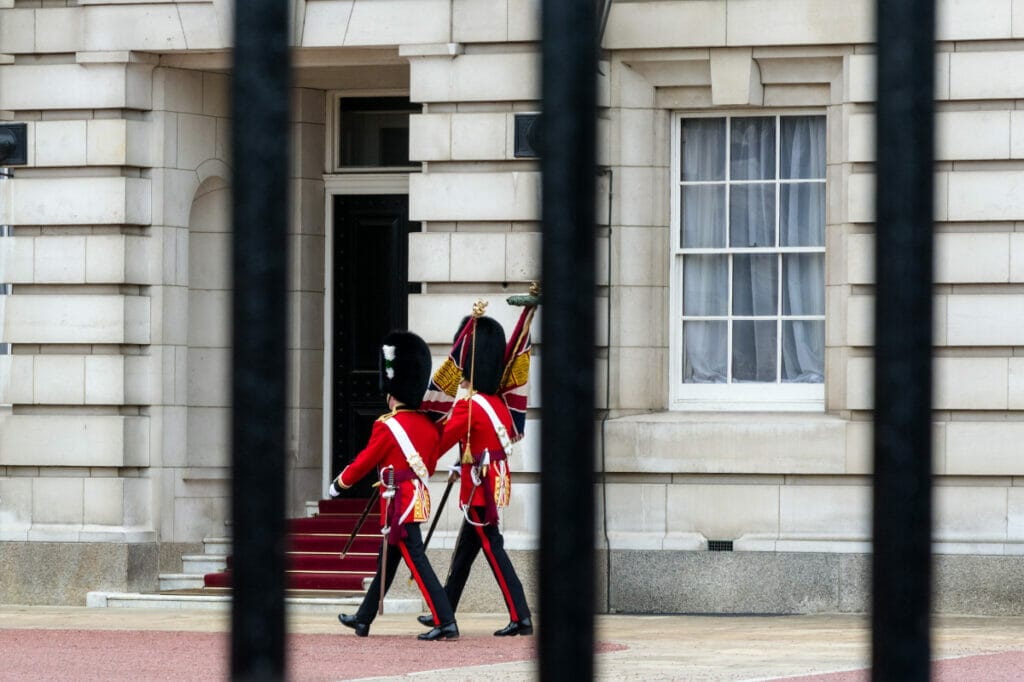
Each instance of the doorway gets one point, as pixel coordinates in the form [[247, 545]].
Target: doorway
[[370, 298]]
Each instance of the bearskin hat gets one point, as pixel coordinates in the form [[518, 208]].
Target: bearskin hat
[[404, 367], [484, 369]]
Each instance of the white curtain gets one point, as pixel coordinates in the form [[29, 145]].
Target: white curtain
[[705, 342], [705, 278], [755, 281], [802, 223], [758, 280]]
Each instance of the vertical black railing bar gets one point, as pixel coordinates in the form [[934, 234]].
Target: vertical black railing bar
[[568, 158], [260, 90], [901, 566]]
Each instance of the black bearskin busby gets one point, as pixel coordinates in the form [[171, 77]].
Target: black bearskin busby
[[484, 369], [404, 367]]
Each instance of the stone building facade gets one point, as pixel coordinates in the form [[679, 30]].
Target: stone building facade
[[735, 280]]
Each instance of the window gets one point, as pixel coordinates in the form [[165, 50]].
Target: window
[[373, 132], [748, 264]]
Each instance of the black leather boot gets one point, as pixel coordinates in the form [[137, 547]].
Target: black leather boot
[[426, 620], [523, 626], [362, 629], [449, 631]]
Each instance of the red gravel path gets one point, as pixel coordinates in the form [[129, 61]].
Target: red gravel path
[[141, 656], [1004, 667]]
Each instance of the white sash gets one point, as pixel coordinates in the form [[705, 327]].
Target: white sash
[[499, 428], [411, 455]]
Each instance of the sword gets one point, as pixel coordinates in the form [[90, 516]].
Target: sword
[[388, 483], [452, 477], [362, 519]]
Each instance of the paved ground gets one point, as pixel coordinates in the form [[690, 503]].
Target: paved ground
[[65, 643]]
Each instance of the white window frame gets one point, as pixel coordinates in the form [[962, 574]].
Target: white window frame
[[788, 397], [332, 153]]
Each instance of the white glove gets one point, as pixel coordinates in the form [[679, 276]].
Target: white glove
[[334, 490]]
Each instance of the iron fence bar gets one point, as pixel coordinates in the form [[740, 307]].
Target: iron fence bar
[[5, 231], [260, 91], [901, 565], [568, 165]]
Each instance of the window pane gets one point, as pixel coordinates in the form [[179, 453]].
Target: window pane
[[703, 149], [802, 147], [374, 131], [703, 211], [752, 215], [705, 285], [803, 284], [755, 284], [753, 351], [752, 149], [803, 351], [704, 352], [802, 214]]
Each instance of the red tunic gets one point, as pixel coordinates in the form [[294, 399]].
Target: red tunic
[[383, 450], [482, 436]]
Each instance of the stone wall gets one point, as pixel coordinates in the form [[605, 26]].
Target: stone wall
[[118, 376], [117, 430], [64, 572]]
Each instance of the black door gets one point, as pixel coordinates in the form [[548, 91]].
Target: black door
[[371, 288]]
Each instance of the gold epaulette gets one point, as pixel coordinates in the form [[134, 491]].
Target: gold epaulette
[[388, 415]]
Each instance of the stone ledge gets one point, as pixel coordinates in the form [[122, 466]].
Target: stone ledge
[[431, 50], [126, 600], [762, 443], [798, 583]]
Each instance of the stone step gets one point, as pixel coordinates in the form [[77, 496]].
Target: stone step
[[222, 600], [217, 545], [180, 581], [203, 563]]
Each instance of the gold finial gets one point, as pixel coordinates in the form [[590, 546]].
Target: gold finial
[[535, 288], [479, 307]]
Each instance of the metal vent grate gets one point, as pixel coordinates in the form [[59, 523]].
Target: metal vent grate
[[527, 136], [719, 545]]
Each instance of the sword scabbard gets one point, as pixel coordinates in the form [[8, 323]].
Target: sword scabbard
[[388, 484]]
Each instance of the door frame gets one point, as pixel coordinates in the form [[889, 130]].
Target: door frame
[[334, 185]]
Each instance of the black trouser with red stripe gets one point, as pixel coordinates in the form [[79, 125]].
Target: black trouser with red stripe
[[488, 538], [411, 549]]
